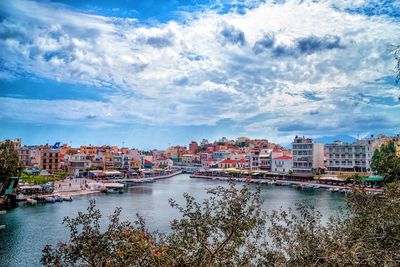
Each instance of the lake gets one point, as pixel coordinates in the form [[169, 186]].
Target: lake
[[30, 228]]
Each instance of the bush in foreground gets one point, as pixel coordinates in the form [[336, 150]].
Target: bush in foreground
[[230, 229]]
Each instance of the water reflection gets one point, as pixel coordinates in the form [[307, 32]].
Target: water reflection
[[147, 190]]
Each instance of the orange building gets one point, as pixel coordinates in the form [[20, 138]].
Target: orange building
[[50, 159]]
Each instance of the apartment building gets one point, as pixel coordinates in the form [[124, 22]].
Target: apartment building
[[308, 156], [50, 159], [78, 163], [354, 157], [25, 156]]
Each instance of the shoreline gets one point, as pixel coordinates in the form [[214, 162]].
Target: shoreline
[[80, 192], [280, 182], [147, 179]]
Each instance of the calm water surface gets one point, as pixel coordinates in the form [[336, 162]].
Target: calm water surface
[[29, 228]]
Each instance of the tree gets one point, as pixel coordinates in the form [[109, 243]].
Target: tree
[[386, 163], [9, 161], [223, 230], [366, 234], [230, 229], [121, 244]]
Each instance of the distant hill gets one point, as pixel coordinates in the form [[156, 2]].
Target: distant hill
[[333, 138]]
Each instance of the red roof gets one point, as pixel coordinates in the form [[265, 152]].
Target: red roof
[[284, 158], [228, 161], [211, 160], [161, 159], [242, 160], [147, 162]]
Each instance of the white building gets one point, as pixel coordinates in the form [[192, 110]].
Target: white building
[[282, 164], [354, 157], [308, 157], [77, 164], [163, 162]]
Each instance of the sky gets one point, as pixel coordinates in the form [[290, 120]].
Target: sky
[[150, 74]]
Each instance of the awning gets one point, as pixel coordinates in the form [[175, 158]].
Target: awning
[[373, 179]]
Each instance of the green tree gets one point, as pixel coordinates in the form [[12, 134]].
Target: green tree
[[121, 244], [366, 234], [223, 230], [230, 229], [386, 163], [9, 161]]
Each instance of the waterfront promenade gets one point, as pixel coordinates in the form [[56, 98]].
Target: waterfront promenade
[[78, 186], [302, 184]]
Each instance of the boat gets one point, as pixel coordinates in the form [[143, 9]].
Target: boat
[[316, 186], [21, 197], [31, 201], [58, 198], [307, 186], [50, 199], [67, 198], [114, 188]]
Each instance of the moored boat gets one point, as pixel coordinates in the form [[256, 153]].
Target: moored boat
[[21, 197], [50, 199], [67, 198], [31, 201], [58, 198], [114, 188]]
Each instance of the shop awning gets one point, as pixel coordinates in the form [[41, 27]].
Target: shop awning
[[373, 179]]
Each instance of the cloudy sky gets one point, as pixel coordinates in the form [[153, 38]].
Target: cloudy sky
[[154, 73]]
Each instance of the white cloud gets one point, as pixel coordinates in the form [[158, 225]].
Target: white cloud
[[187, 74]]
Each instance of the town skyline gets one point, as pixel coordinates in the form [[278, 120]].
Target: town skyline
[[123, 144]]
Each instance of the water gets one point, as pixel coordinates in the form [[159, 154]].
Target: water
[[30, 228]]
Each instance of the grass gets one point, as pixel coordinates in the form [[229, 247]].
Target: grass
[[38, 179]]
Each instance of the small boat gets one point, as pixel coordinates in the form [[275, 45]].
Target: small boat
[[67, 198], [316, 186], [307, 186], [114, 188], [58, 198], [21, 197], [31, 201], [50, 199]]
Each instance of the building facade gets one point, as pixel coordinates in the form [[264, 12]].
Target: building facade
[[308, 156], [50, 159], [354, 157], [282, 164]]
